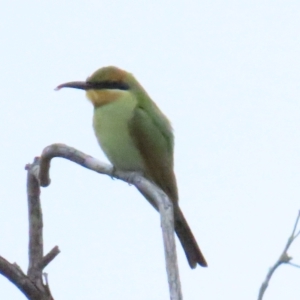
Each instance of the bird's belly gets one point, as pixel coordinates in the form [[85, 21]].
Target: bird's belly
[[111, 129]]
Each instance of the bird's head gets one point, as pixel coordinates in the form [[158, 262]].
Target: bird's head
[[105, 85]]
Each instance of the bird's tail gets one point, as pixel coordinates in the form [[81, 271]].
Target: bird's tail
[[187, 240]]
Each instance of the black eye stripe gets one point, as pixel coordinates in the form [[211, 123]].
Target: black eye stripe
[[110, 85]]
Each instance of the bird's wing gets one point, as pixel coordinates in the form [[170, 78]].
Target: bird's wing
[[153, 136]]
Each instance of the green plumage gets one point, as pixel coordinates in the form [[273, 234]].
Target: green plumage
[[136, 136], [112, 131]]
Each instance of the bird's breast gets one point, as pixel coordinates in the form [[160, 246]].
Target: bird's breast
[[111, 129]]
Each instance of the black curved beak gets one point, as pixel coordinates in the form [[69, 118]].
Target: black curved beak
[[81, 85]]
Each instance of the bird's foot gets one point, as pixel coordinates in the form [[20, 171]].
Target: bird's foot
[[128, 176], [131, 177]]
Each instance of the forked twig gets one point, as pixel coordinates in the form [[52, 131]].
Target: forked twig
[[284, 258], [32, 284]]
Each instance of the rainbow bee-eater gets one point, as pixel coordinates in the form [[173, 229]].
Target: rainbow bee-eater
[[136, 136]]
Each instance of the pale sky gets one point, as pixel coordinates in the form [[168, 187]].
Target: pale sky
[[226, 73]]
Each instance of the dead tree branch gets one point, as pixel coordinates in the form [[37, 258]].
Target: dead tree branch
[[147, 189], [284, 258], [32, 284]]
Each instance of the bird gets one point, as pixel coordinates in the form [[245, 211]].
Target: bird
[[136, 136]]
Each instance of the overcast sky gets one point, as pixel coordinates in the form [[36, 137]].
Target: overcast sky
[[226, 73]]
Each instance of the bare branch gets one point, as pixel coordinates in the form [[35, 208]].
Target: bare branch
[[37, 262], [38, 175], [49, 257], [15, 275], [167, 223], [295, 226], [152, 193], [283, 259], [294, 265], [35, 225], [31, 285], [61, 150]]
